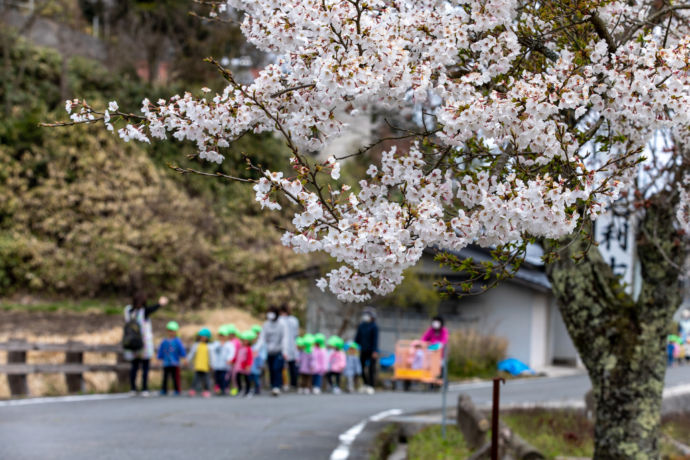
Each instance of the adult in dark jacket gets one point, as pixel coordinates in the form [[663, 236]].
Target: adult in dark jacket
[[367, 338]]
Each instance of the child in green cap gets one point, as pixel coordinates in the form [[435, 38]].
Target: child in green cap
[[320, 363], [305, 363], [236, 343], [336, 362], [222, 354], [260, 355], [170, 352], [353, 366], [200, 360], [243, 363]]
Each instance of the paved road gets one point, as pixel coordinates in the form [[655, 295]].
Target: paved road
[[285, 428]]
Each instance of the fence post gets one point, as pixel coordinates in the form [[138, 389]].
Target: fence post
[[122, 375], [17, 382], [494, 416], [75, 381]]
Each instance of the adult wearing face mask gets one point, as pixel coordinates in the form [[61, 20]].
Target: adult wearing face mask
[[274, 336], [367, 338], [437, 333]]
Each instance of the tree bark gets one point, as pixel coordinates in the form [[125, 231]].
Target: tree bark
[[622, 341]]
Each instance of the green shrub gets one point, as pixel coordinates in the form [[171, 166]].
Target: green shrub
[[471, 354], [82, 213]]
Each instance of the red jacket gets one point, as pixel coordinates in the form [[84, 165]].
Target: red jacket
[[244, 359]]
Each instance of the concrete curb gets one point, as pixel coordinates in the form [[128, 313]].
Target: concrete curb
[[63, 399], [675, 399]]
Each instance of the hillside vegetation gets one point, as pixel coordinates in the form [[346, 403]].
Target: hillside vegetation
[[82, 214]]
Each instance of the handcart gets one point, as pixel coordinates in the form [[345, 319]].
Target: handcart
[[416, 362]]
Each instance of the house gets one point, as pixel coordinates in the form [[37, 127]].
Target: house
[[521, 309]]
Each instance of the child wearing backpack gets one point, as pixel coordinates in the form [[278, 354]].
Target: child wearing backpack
[[170, 352], [200, 359]]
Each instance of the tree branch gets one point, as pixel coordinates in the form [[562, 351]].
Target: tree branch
[[294, 88], [537, 45], [602, 32], [652, 19], [185, 171]]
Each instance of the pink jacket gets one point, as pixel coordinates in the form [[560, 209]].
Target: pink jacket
[[238, 344], [305, 362], [320, 360], [433, 336], [336, 362]]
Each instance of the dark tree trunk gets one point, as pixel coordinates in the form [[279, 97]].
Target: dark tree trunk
[[622, 340]]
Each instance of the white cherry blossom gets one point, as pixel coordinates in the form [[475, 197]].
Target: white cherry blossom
[[517, 150]]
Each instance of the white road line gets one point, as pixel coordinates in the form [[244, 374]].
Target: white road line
[[342, 452], [59, 399], [676, 390]]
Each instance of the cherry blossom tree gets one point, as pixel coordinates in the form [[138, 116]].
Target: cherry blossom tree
[[544, 114], [619, 330]]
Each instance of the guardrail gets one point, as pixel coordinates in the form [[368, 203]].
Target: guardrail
[[73, 367]]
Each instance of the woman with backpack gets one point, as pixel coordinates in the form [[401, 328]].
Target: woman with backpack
[[137, 339]]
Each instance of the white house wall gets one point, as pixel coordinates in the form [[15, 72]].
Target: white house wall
[[563, 349], [509, 311], [515, 312], [539, 346]]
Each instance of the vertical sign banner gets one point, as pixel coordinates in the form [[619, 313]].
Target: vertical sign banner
[[615, 234]]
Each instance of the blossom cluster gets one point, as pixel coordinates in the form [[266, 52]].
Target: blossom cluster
[[338, 56], [377, 237]]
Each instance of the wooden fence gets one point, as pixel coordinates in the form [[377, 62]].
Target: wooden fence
[[73, 367]]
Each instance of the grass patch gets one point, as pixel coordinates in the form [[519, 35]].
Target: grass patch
[[554, 432], [107, 306], [570, 433], [677, 426], [429, 445]]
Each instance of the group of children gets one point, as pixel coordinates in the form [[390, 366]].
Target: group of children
[[678, 350], [333, 359], [235, 362]]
